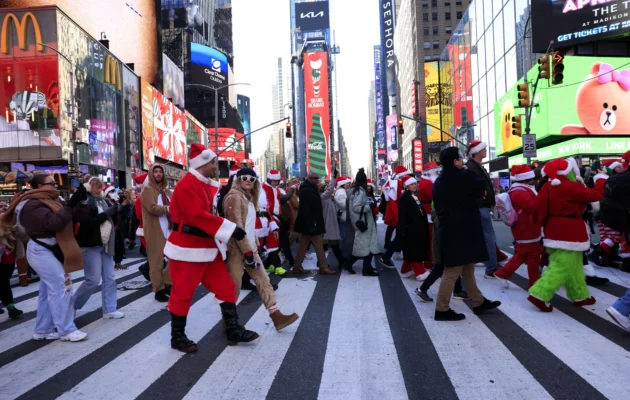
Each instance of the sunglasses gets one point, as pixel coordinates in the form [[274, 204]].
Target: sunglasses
[[246, 178], [50, 183]]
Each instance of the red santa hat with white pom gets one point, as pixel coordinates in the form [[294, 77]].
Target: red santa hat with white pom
[[274, 175], [475, 147], [560, 168], [625, 159], [522, 173], [141, 181], [234, 170], [200, 155], [400, 172], [409, 180], [343, 180], [370, 183]]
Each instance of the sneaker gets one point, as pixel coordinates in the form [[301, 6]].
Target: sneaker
[[449, 315], [409, 274], [14, 313], [504, 282], [398, 256], [114, 315], [279, 271], [489, 275], [387, 262], [486, 306], [461, 295], [424, 296], [46, 336], [161, 296], [75, 336], [271, 269], [369, 272], [308, 256], [620, 319], [422, 277]]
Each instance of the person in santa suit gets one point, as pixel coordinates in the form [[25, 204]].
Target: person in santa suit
[[430, 173], [413, 231], [527, 234], [393, 190], [141, 181], [197, 248], [269, 204], [559, 208]]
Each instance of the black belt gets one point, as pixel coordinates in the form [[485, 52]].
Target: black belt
[[264, 214], [191, 230]]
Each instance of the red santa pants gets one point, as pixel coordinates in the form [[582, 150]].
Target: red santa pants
[[416, 266], [528, 253], [186, 276]]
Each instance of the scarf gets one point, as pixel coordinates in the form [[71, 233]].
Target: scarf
[[73, 260], [107, 228]]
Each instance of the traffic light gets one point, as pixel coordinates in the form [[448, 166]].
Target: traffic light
[[557, 68], [287, 132], [401, 129], [523, 95], [543, 68], [516, 126]]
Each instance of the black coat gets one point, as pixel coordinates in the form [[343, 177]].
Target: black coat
[[310, 218], [413, 229], [488, 201], [89, 234], [455, 195]]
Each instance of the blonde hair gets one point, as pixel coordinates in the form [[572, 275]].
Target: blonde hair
[[251, 194]]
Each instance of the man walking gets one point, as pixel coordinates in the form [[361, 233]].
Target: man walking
[[477, 152]]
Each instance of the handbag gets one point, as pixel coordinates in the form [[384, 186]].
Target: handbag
[[361, 223], [55, 249]]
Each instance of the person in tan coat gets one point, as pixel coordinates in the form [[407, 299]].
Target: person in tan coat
[[239, 206], [155, 199]]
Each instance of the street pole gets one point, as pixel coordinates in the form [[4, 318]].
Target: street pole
[[435, 127], [216, 121]]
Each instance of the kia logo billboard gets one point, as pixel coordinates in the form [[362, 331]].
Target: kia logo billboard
[[312, 16], [209, 66]]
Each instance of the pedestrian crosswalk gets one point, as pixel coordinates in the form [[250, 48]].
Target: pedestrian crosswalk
[[357, 338]]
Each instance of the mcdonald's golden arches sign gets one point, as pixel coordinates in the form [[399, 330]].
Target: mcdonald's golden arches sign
[[111, 72], [21, 26]]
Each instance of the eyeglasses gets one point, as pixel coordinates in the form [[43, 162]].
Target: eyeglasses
[[246, 178], [53, 183]]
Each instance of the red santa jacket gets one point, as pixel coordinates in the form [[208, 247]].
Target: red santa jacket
[[269, 200], [559, 211], [523, 200], [425, 195], [138, 206], [393, 190], [192, 205]]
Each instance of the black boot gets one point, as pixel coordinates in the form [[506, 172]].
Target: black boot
[[246, 283], [337, 252], [144, 269], [161, 296], [179, 341], [625, 267], [233, 330]]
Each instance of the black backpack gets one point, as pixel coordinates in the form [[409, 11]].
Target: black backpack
[[615, 206]]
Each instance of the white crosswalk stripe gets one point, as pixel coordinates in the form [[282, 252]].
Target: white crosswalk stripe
[[516, 352]]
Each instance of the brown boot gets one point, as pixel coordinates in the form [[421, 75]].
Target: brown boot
[[23, 279], [326, 271], [281, 321]]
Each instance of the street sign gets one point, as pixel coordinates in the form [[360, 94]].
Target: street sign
[[529, 146]]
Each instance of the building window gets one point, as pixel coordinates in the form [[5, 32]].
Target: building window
[[434, 16], [434, 3], [427, 58], [459, 14], [436, 30], [425, 4], [426, 31], [449, 29], [436, 44], [447, 16], [425, 17], [427, 45], [458, 3], [447, 4]]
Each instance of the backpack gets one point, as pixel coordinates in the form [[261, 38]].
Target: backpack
[[615, 206], [507, 214]]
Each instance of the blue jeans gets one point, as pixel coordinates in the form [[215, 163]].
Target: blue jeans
[[97, 263], [54, 304], [490, 238], [623, 304]]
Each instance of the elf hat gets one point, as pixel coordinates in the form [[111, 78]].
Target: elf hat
[[522, 173], [556, 169], [274, 175], [409, 180], [200, 155], [370, 183], [234, 170], [343, 180], [475, 147], [400, 172]]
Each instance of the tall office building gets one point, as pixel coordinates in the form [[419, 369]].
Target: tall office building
[[371, 169]]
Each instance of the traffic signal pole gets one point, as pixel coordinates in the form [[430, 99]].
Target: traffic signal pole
[[254, 131]]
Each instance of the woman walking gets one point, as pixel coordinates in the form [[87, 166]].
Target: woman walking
[[97, 240], [48, 222], [11, 248], [332, 237], [359, 213], [413, 231]]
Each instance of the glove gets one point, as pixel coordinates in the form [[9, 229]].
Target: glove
[[78, 196], [239, 234], [250, 261]]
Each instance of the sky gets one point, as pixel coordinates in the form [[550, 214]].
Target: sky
[[261, 32]]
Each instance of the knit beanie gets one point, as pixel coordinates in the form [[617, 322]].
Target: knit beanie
[[246, 171]]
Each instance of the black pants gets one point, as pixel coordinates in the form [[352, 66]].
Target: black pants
[[6, 295], [436, 273], [285, 246], [388, 235], [273, 258], [367, 262], [119, 247]]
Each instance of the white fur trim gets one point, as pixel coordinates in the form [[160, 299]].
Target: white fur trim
[[529, 240], [140, 232], [524, 176], [615, 165], [178, 253], [609, 242], [262, 232], [343, 182], [398, 176], [273, 226], [202, 159], [600, 176], [369, 183], [588, 270], [232, 173], [274, 177], [478, 148], [569, 168], [225, 231], [410, 181], [595, 206], [564, 245], [555, 182]]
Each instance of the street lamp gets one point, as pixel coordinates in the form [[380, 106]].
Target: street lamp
[[75, 156], [216, 108]]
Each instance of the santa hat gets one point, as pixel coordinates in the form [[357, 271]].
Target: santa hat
[[408, 180], [343, 180], [141, 180], [370, 183], [615, 165], [274, 175], [557, 168], [429, 166], [108, 189], [234, 170], [625, 159], [475, 147], [400, 172], [522, 173], [200, 155]]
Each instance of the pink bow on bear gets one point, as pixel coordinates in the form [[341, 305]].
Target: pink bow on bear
[[608, 74]]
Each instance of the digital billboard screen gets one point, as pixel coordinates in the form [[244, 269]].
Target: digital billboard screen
[[391, 123], [173, 81], [317, 113], [245, 113], [380, 136], [576, 21], [209, 66], [438, 99], [312, 16]]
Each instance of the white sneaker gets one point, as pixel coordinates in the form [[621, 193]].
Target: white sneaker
[[409, 274], [398, 256], [46, 336], [422, 277], [622, 320], [75, 336], [308, 256], [504, 282], [114, 315]]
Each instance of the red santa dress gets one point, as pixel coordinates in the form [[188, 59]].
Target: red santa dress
[[141, 181], [269, 206]]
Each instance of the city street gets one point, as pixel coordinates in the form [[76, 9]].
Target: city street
[[357, 338]]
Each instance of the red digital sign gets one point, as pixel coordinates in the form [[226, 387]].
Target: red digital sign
[[414, 98], [417, 155], [317, 113]]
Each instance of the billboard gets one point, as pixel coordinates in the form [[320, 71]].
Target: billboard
[[388, 23], [245, 113], [312, 16], [438, 98], [195, 131], [592, 101], [380, 136], [173, 81], [391, 123], [461, 82], [146, 104], [569, 22], [208, 66], [316, 93], [417, 155]]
